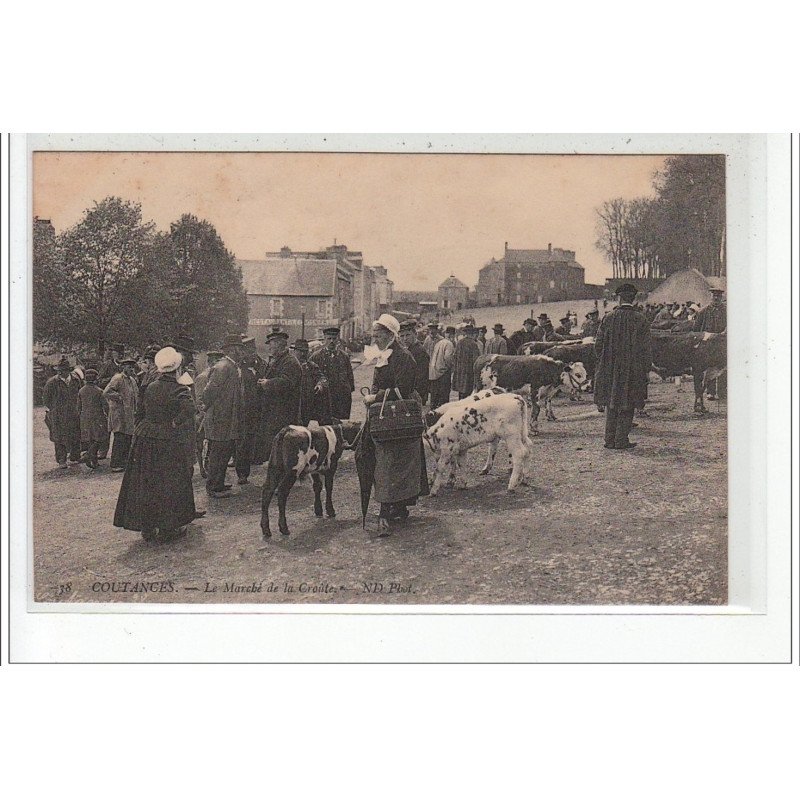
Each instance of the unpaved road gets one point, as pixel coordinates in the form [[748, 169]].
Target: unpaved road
[[647, 526]]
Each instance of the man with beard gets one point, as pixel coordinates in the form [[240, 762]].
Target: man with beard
[[335, 364]]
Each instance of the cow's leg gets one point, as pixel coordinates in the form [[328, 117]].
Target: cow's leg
[[490, 458], [517, 455], [283, 493], [699, 405], [317, 482], [443, 472], [329, 509], [535, 409], [270, 485], [461, 478]]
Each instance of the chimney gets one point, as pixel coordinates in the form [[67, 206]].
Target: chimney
[[550, 248], [506, 249]]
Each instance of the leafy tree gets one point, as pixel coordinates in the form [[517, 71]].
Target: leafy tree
[[104, 256], [205, 294], [48, 284]]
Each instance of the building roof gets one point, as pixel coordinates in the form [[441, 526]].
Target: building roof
[[289, 277], [453, 282]]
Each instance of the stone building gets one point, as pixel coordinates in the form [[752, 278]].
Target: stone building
[[453, 294], [531, 276], [301, 293]]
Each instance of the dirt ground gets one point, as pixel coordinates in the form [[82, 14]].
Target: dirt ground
[[646, 526]]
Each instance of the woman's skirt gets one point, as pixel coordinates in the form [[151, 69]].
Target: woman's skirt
[[156, 489], [400, 472]]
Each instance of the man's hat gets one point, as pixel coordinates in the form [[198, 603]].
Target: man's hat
[[433, 326], [151, 351], [276, 333], [449, 329], [529, 321], [544, 317], [183, 342], [625, 288], [565, 319], [64, 363], [482, 329], [716, 290], [215, 354], [498, 328], [301, 345], [232, 340], [128, 360], [470, 329], [408, 325], [249, 342], [331, 329], [593, 313], [91, 374]]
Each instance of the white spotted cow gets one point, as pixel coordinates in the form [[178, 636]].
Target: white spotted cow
[[467, 424], [545, 376], [298, 451]]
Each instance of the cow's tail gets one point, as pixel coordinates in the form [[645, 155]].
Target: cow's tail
[[525, 419], [275, 467]]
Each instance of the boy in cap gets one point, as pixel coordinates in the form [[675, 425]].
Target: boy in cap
[[335, 364], [60, 397], [93, 413]]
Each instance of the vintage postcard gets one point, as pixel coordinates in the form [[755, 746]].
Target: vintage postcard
[[389, 376]]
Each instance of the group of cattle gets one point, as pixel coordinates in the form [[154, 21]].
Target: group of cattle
[[504, 408]]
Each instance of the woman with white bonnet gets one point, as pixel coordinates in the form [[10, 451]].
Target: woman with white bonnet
[[156, 496], [400, 476]]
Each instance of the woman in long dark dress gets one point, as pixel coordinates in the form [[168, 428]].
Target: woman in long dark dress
[[400, 472], [156, 493]]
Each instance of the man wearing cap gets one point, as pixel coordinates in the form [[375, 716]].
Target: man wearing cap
[[251, 406], [93, 413], [279, 392], [335, 364], [565, 328], [60, 397], [498, 344], [200, 383], [122, 396], [467, 351], [714, 317], [440, 371], [112, 367], [624, 359], [408, 337], [222, 403], [522, 336], [434, 334], [315, 398], [547, 334], [592, 324]]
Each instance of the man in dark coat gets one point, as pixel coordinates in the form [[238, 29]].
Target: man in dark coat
[[335, 363], [408, 336], [592, 324], [522, 336], [93, 412], [222, 402], [714, 317], [60, 397], [279, 392], [467, 352], [624, 359], [315, 397], [565, 328], [112, 367], [252, 411]]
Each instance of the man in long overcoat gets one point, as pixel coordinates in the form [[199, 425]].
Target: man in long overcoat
[[223, 405], [93, 413], [335, 363], [111, 367], [523, 336], [467, 351], [122, 395], [252, 411], [315, 398], [624, 359], [279, 391], [60, 397]]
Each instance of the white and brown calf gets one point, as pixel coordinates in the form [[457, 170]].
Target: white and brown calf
[[467, 424], [298, 451]]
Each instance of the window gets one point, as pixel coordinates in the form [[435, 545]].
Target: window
[[322, 308], [276, 306]]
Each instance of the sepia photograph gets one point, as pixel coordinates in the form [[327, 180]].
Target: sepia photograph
[[379, 378]]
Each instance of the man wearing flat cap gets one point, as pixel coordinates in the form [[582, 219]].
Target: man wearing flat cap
[[315, 397], [60, 397], [624, 359], [279, 393], [122, 395], [714, 317], [408, 336], [467, 351], [335, 364], [222, 403]]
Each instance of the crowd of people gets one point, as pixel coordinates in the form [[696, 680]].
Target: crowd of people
[[160, 418]]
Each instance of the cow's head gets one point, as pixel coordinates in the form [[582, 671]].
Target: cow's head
[[350, 430], [575, 378], [431, 418]]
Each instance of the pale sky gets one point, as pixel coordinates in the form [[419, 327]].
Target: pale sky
[[423, 217]]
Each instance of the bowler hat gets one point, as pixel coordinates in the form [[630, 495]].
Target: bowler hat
[[408, 325], [184, 342], [91, 374], [565, 319], [449, 329], [625, 288], [232, 340], [498, 328], [529, 321], [301, 345], [544, 318], [276, 334], [128, 360], [331, 329]]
